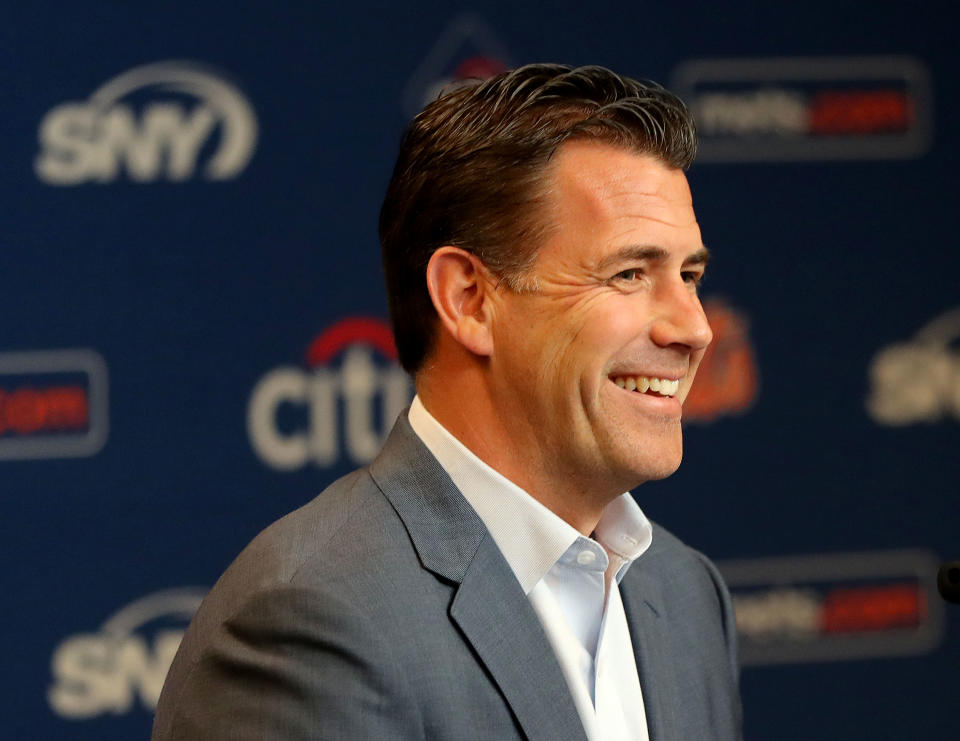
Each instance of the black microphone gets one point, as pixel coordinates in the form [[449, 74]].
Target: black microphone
[[948, 581]]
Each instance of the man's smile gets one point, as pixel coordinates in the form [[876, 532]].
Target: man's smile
[[648, 384]]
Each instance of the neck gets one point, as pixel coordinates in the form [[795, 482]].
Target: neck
[[461, 401]]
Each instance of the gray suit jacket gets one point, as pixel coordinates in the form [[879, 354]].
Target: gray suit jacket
[[384, 610]]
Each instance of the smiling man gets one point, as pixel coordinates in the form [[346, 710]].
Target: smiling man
[[570, 384], [489, 576]]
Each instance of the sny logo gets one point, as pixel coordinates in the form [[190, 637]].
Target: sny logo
[[154, 121], [918, 381], [294, 416], [96, 673]]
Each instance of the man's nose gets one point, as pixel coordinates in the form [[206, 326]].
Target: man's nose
[[679, 318]]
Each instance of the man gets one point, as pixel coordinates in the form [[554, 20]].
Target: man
[[487, 577]]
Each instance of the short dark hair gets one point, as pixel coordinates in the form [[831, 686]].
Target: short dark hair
[[472, 169]]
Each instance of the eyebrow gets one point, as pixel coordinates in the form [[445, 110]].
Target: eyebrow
[[640, 253], [700, 257]]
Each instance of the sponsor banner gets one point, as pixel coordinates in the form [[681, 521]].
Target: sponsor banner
[[834, 607], [124, 663], [152, 123], [918, 380], [53, 404], [816, 108], [466, 49], [727, 380], [339, 407]]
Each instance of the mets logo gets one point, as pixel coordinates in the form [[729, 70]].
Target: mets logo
[[342, 404], [53, 404], [815, 108], [727, 379], [154, 123], [835, 606]]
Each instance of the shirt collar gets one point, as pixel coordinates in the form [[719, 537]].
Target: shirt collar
[[531, 537]]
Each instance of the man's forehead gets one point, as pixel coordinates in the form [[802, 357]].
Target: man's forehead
[[608, 182]]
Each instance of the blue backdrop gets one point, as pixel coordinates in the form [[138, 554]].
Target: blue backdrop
[[194, 342]]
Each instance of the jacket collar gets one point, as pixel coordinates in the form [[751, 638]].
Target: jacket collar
[[643, 604], [489, 606]]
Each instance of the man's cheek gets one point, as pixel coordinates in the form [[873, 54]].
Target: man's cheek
[[688, 380]]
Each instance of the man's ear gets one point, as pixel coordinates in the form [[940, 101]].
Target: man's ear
[[459, 288]]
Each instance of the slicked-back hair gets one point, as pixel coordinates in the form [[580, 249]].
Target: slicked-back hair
[[474, 166]]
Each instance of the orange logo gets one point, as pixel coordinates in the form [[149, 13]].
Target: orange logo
[[727, 379]]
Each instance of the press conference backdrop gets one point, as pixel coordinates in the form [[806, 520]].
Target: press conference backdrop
[[193, 335]]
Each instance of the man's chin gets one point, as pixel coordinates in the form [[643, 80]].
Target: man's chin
[[663, 473], [657, 465]]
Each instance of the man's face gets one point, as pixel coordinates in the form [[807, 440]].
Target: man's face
[[614, 304]]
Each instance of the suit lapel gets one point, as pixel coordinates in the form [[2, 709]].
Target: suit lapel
[[496, 617], [643, 605], [489, 606]]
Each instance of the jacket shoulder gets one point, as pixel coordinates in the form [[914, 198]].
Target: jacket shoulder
[[686, 576]]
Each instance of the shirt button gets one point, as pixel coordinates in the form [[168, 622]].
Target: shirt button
[[586, 557]]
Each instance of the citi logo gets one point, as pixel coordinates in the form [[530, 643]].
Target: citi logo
[[126, 659], [918, 380], [150, 123], [330, 410]]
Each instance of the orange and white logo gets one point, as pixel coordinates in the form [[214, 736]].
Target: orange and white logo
[[340, 406], [727, 380]]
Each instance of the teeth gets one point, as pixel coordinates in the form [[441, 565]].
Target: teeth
[[662, 386]]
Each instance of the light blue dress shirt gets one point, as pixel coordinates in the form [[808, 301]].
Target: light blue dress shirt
[[571, 580]]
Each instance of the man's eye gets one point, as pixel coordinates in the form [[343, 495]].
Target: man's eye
[[693, 278], [628, 275]]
